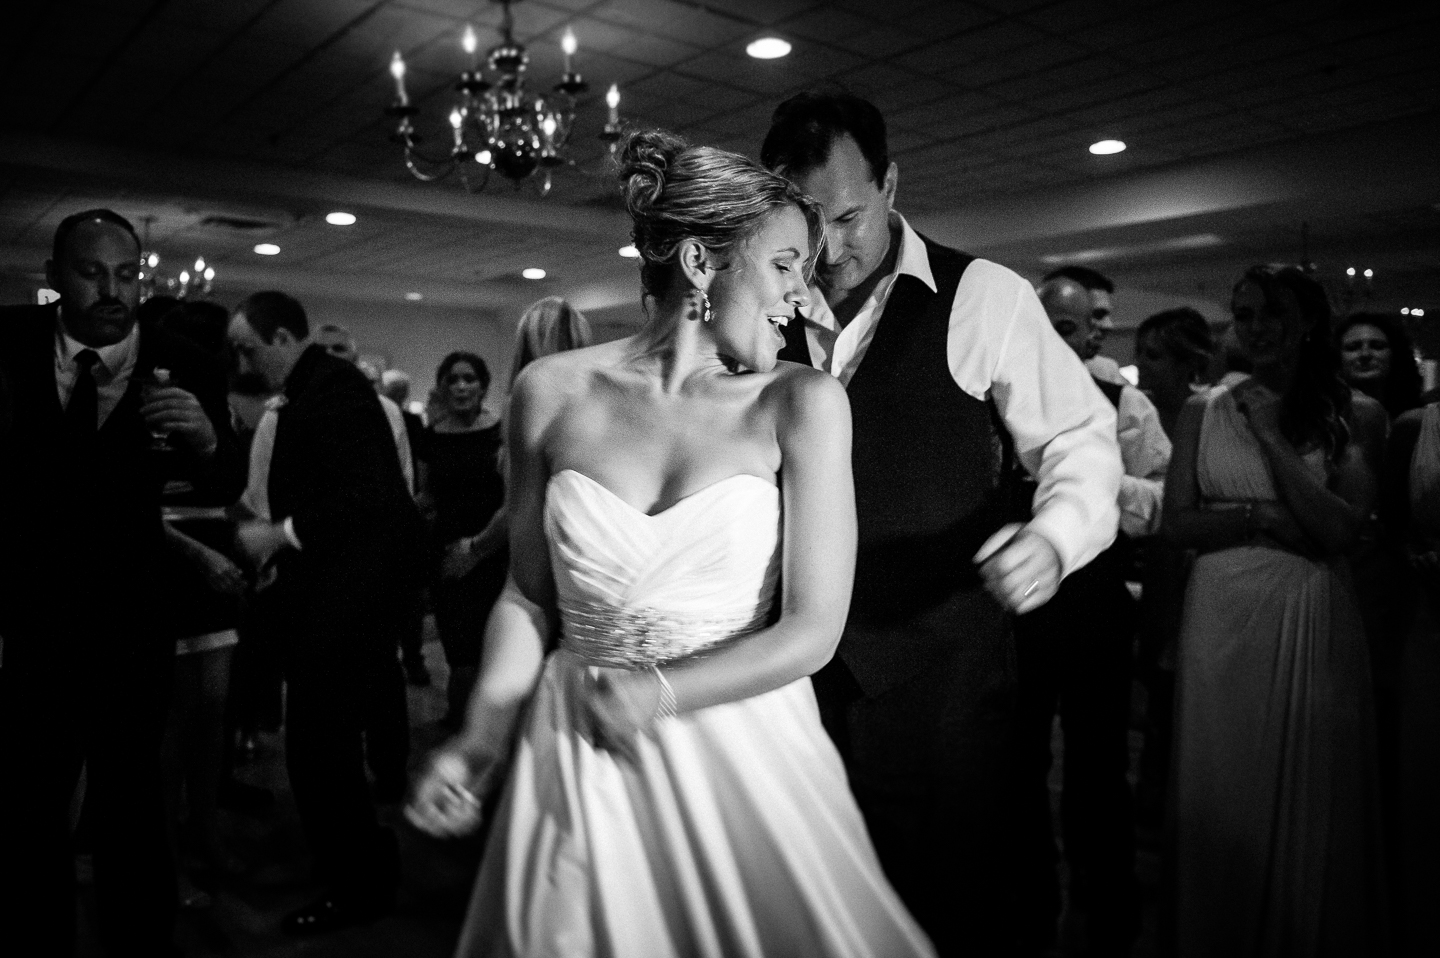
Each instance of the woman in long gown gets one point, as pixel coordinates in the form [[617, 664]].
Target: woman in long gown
[[1276, 816], [671, 789]]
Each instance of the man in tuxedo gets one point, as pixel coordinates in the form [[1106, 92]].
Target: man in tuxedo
[[952, 372], [87, 672], [346, 542]]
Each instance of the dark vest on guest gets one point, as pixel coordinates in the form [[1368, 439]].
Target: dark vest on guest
[[934, 478]]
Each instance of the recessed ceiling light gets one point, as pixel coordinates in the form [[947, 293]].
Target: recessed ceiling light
[[768, 48], [534, 272], [1106, 147], [414, 297], [340, 219], [630, 252], [267, 249]]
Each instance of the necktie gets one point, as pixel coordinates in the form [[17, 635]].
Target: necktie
[[82, 414]]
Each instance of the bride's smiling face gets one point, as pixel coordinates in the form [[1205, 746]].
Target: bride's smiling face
[[758, 292]]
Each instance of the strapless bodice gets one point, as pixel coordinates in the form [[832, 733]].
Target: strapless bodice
[[635, 589]]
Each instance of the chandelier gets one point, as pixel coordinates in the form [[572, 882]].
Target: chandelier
[[155, 280], [498, 125]]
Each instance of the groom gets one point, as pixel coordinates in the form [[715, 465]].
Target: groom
[[953, 373]]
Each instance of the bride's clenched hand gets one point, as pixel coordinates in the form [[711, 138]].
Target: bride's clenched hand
[[446, 799], [621, 705]]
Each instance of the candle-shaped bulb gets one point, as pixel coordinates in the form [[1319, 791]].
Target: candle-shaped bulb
[[548, 125], [209, 273], [1369, 273], [184, 277], [568, 45], [456, 119], [469, 42], [397, 70], [612, 100], [200, 264], [1350, 271], [153, 260]]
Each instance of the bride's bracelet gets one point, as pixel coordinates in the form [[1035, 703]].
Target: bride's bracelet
[[666, 706]]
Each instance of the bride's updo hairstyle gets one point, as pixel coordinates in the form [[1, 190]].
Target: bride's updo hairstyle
[[675, 191]]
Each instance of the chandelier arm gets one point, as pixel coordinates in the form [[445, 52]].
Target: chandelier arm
[[445, 166]]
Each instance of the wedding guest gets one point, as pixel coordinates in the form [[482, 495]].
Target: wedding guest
[[1277, 823], [1412, 515], [202, 587], [87, 670], [550, 325], [1101, 290], [1377, 357], [1173, 351], [465, 488], [953, 372], [1074, 660], [344, 537]]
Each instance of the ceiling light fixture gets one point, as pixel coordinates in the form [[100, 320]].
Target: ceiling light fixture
[[267, 249], [339, 218], [1107, 147], [533, 272], [499, 124], [630, 252], [414, 297], [768, 48]]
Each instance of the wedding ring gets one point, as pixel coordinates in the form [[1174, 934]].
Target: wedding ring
[[1033, 586]]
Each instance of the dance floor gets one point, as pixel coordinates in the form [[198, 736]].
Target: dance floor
[[244, 918]]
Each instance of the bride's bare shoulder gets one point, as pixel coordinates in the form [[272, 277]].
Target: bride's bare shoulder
[[802, 394], [562, 375]]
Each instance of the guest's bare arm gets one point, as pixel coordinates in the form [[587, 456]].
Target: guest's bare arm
[[1190, 524], [817, 571], [1330, 510]]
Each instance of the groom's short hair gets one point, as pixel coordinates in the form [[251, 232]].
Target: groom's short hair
[[805, 127]]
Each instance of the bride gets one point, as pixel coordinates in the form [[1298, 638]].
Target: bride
[[683, 519]]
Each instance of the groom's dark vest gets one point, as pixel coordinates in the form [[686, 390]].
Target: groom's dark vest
[[933, 480]]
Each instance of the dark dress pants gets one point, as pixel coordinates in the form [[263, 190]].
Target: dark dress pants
[[95, 705], [1074, 656], [344, 706], [929, 764]]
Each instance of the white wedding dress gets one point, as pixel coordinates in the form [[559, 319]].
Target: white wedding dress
[[734, 834]]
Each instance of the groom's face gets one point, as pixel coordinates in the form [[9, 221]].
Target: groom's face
[[857, 215]]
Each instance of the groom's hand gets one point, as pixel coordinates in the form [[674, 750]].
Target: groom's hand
[[1020, 568]]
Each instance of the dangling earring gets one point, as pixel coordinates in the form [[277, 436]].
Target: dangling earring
[[706, 312]]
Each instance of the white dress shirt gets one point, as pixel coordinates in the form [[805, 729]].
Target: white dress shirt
[[1145, 451], [1000, 345], [112, 373]]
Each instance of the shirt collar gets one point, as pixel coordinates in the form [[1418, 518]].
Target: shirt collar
[[113, 357], [913, 260]]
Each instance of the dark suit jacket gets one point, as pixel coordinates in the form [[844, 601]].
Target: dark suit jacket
[[335, 474], [81, 531]]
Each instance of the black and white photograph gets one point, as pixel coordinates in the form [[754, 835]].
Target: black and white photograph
[[719, 479]]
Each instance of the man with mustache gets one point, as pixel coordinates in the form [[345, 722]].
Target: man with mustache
[[86, 673], [953, 373]]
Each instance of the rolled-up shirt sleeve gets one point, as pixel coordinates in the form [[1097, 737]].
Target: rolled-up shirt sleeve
[[1000, 343]]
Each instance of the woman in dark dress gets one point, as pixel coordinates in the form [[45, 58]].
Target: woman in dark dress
[[466, 487]]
